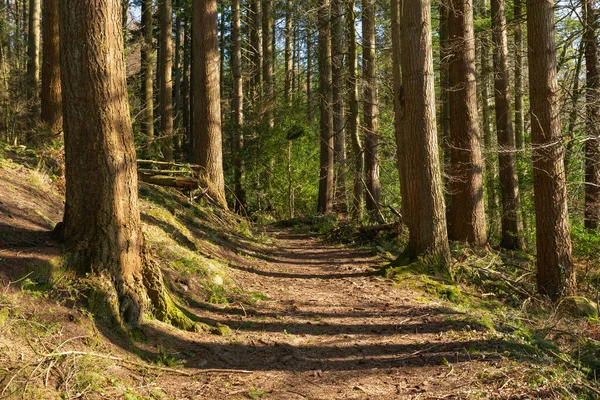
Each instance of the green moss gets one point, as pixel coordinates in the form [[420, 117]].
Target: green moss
[[578, 306], [446, 292], [3, 316], [221, 329]]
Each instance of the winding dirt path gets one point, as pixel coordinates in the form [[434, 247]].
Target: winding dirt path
[[334, 328]]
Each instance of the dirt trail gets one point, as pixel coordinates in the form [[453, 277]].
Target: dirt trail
[[334, 328]]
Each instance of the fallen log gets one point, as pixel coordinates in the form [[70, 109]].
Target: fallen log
[[171, 181], [163, 171], [170, 164]]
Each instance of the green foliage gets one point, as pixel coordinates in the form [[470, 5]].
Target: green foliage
[[256, 394]]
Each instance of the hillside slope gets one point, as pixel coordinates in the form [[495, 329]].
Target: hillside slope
[[293, 317]]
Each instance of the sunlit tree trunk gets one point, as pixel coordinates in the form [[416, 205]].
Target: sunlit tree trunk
[[370, 109], [555, 272], [238, 106], [166, 83], [425, 213], [208, 148], [326, 136], [51, 90], [33, 55], [353, 117], [467, 213], [512, 226]]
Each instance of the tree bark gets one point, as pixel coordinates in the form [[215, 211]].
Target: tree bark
[[370, 109], [267, 66], [208, 148], [51, 89], [177, 73], [238, 106], [147, 55], [397, 76], [166, 82], [102, 228], [467, 213], [325, 203], [425, 212], [444, 118], [33, 55], [555, 272], [289, 61], [337, 48], [518, 63], [309, 72], [592, 143], [512, 225], [353, 117]]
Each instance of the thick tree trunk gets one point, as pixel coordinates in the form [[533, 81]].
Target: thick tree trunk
[[102, 228], [166, 82], [467, 214], [371, 109], [238, 106], [512, 226], [147, 55], [425, 213], [555, 272], [33, 55], [51, 90], [208, 148], [353, 117], [592, 144], [337, 48], [325, 203]]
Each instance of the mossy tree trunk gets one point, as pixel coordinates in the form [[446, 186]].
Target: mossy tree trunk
[[101, 227]]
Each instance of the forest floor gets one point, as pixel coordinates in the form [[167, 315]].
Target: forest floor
[[328, 325]]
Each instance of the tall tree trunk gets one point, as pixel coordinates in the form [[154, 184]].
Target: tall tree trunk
[[147, 55], [51, 90], [337, 48], [208, 148], [33, 55], [371, 108], [490, 166], [425, 212], [397, 76], [185, 88], [238, 106], [267, 44], [512, 226], [592, 143], [177, 72], [289, 61], [467, 214], [354, 118], [555, 272], [574, 113], [102, 228], [166, 82], [257, 52], [309, 71], [444, 112], [518, 63], [325, 202]]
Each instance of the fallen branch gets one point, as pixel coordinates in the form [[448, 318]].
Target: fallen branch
[[164, 171]]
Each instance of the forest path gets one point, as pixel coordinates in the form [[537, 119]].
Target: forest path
[[335, 328]]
